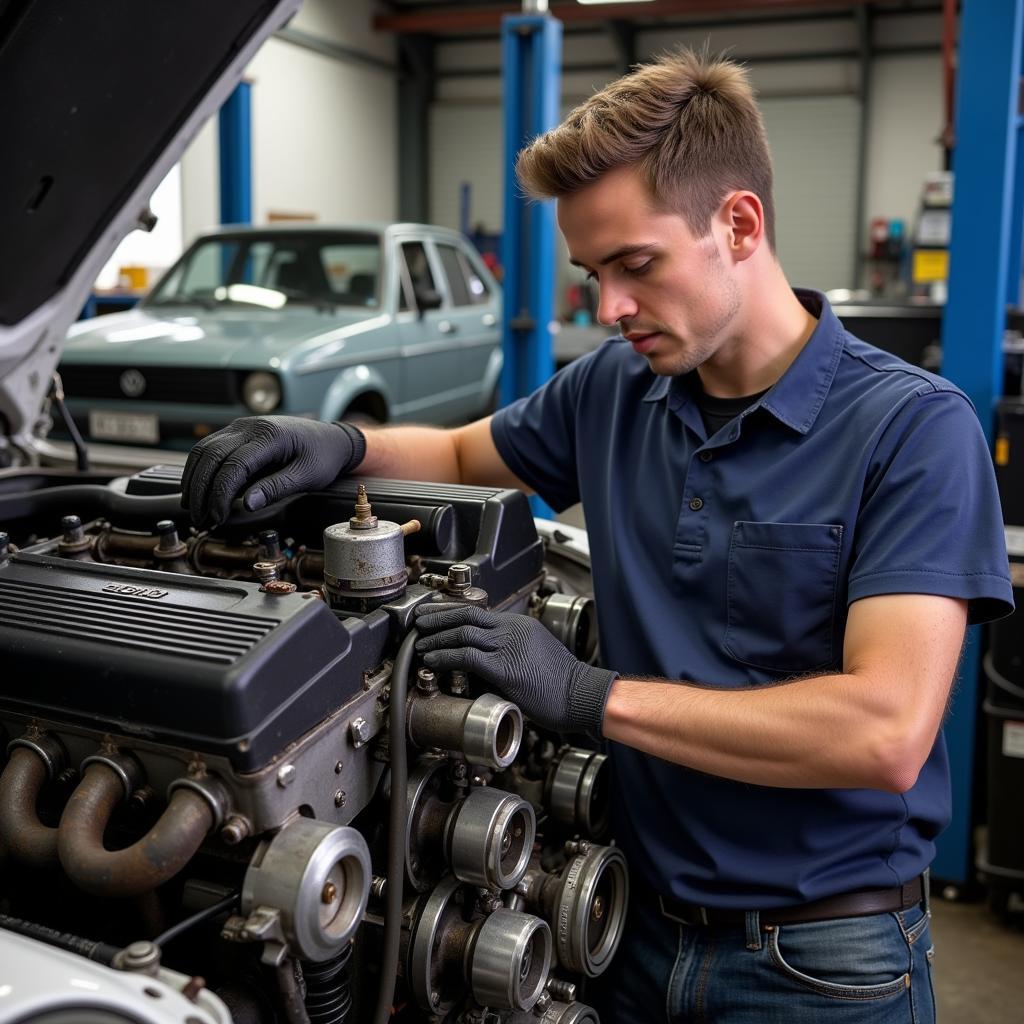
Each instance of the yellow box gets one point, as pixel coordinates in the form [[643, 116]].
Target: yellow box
[[134, 277], [930, 265]]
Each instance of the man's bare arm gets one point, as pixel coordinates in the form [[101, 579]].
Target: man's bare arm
[[872, 726], [462, 455]]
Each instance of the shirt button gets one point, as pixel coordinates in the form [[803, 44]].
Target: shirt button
[[705, 456], [696, 504]]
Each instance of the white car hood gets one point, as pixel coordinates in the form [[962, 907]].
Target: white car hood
[[84, 149]]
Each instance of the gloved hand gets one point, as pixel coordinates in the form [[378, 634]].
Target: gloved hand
[[519, 657], [306, 455]]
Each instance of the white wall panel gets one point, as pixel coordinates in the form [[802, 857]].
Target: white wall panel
[[906, 121], [814, 151], [324, 136], [466, 145]]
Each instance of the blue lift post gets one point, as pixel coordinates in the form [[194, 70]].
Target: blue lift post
[[235, 125], [532, 62], [984, 275]]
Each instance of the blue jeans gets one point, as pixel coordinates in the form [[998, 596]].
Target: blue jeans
[[854, 970]]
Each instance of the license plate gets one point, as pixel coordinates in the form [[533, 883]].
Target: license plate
[[124, 426]]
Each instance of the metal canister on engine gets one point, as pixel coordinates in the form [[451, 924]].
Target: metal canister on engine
[[364, 559]]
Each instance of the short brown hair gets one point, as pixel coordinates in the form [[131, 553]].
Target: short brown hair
[[688, 121]]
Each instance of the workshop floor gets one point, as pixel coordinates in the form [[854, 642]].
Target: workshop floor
[[978, 966]]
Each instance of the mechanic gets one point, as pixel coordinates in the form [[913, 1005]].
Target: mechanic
[[791, 531]]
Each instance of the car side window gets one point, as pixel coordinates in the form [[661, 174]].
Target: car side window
[[458, 287], [418, 266], [478, 290]]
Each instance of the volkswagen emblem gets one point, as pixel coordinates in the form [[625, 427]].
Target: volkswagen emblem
[[132, 383]]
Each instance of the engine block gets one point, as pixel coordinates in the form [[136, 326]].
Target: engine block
[[224, 760]]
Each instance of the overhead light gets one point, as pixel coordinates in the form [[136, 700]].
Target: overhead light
[[589, 2]]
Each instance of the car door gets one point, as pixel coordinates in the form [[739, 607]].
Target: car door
[[473, 323], [429, 338]]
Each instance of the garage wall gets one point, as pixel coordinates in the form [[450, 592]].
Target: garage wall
[[324, 123], [807, 76]]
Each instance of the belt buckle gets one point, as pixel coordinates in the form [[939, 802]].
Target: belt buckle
[[702, 914]]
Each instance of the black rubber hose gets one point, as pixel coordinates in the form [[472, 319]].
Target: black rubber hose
[[190, 922], [396, 827], [101, 952], [81, 452]]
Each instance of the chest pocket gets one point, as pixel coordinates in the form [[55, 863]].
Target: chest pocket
[[781, 594]]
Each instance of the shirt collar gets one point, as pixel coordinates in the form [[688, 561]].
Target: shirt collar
[[798, 395]]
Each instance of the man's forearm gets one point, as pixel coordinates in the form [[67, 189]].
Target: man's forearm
[[412, 453], [826, 731], [460, 455]]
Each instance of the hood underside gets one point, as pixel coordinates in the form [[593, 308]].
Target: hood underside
[[99, 106]]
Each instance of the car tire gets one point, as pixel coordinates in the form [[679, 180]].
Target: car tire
[[361, 420]]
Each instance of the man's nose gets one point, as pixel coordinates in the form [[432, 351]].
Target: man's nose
[[614, 304]]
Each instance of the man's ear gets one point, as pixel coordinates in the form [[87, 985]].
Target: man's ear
[[743, 216]]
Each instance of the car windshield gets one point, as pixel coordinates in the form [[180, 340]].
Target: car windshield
[[275, 270]]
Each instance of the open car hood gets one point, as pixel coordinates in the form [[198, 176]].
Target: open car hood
[[100, 105]]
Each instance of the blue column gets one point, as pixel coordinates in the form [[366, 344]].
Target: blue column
[[532, 64], [235, 123], [985, 263]]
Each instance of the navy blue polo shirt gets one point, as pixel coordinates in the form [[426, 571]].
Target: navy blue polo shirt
[[732, 560]]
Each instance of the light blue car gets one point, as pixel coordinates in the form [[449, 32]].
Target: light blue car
[[378, 323]]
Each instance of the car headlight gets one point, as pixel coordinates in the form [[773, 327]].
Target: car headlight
[[261, 392]]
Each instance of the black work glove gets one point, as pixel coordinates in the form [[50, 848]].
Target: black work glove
[[303, 455], [519, 657]]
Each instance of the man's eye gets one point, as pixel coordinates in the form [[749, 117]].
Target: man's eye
[[639, 270]]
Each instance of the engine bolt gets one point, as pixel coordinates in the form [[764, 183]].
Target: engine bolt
[[329, 894], [139, 800], [286, 775], [141, 956], [460, 577], [192, 988], [235, 830], [339, 798], [270, 545], [338, 767], [359, 731], [561, 989], [426, 681], [72, 527], [265, 572], [460, 683]]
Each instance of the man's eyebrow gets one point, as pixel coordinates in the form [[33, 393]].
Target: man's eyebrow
[[618, 254]]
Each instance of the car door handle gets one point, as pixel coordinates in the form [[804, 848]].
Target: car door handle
[[447, 327], [489, 319]]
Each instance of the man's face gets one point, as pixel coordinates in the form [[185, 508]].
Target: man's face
[[671, 294]]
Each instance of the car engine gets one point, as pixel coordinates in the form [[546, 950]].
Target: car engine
[[233, 793]]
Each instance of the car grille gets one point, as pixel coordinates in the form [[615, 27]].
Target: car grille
[[163, 384]]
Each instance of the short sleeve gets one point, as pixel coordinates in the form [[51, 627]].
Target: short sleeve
[[536, 436], [930, 521]]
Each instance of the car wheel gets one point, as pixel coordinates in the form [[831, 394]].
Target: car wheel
[[361, 419]]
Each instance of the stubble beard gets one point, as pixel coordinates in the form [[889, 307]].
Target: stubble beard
[[706, 339]]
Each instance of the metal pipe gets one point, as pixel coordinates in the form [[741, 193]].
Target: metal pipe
[[23, 834], [159, 855]]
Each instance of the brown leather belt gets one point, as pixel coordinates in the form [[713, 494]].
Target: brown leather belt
[[847, 904]]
